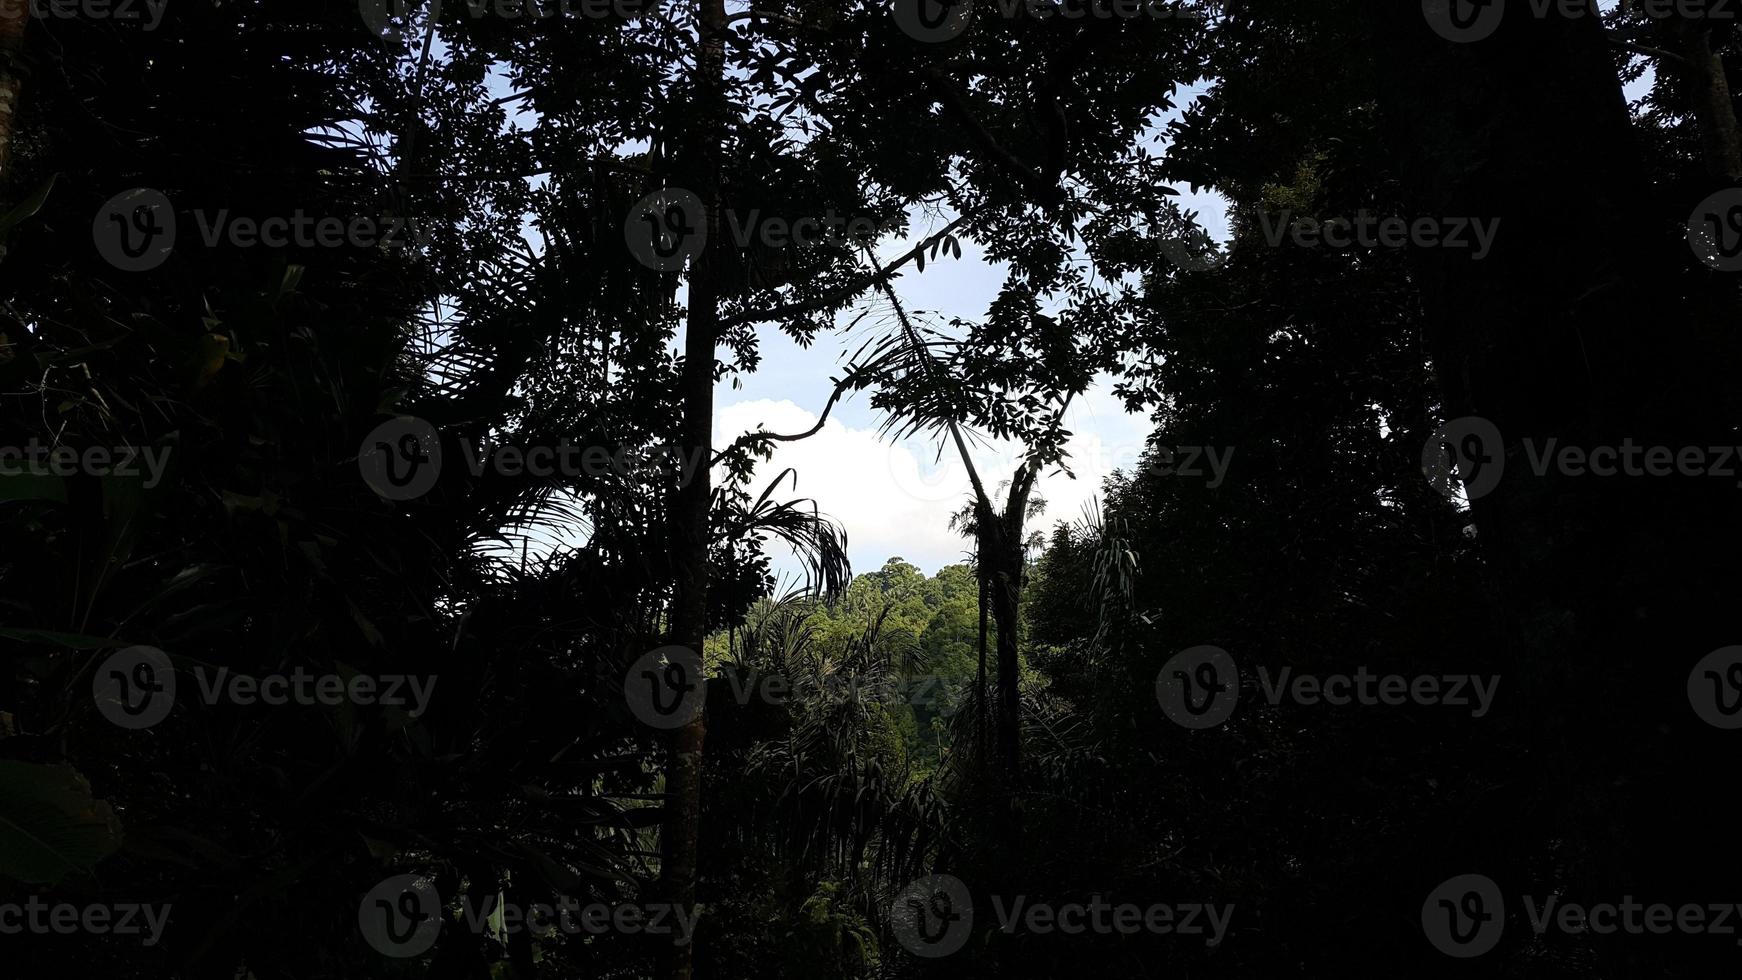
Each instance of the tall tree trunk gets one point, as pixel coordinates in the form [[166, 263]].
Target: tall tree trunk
[[691, 531], [998, 543], [14, 17], [980, 676], [1715, 111], [1004, 578], [1583, 324], [1006, 586]]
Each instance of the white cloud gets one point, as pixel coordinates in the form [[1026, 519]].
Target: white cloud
[[895, 498]]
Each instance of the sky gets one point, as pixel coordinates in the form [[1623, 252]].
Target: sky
[[895, 498]]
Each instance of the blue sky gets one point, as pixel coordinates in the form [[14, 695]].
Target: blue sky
[[895, 498]]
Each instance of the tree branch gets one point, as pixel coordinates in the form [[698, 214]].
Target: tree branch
[[840, 296], [1616, 39], [751, 438], [1046, 193]]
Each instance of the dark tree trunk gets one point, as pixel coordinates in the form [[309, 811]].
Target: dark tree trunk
[[1000, 545], [1584, 324], [980, 677], [1004, 581], [1715, 111], [692, 532], [14, 17]]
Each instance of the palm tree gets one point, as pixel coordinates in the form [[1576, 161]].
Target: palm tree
[[935, 404]]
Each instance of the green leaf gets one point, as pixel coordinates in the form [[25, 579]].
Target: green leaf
[[28, 207], [292, 279], [50, 825]]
